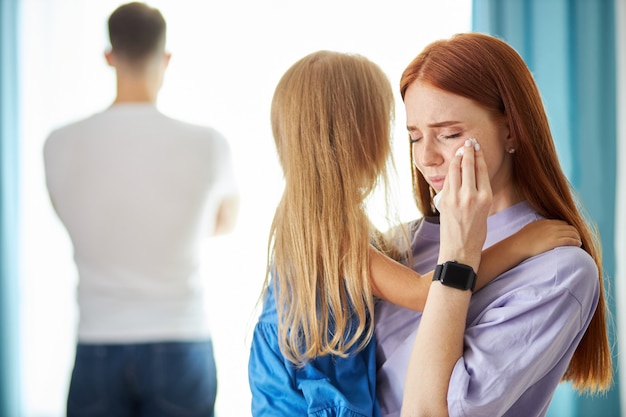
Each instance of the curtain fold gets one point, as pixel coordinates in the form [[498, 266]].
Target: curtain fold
[[569, 46], [9, 336]]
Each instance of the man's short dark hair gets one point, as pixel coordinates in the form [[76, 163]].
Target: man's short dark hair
[[136, 31]]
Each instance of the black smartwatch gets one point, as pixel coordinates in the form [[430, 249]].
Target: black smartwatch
[[455, 275]]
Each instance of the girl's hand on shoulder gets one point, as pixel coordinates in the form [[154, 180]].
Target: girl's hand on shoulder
[[543, 235], [464, 206]]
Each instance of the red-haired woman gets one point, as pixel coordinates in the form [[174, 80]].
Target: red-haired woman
[[504, 350]]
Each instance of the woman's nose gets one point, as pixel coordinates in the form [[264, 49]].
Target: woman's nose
[[428, 153]]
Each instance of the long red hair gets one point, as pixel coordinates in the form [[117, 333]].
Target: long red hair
[[490, 72]]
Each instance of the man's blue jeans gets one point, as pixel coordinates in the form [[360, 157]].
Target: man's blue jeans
[[148, 380]]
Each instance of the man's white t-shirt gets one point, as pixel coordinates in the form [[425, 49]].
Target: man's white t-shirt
[[137, 192]]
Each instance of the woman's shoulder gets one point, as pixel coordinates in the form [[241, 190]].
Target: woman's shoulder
[[564, 280], [561, 272], [569, 264], [565, 269], [573, 258], [577, 270]]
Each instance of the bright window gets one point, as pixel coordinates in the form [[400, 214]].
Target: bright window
[[227, 59]]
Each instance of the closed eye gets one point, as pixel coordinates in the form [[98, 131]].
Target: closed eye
[[454, 136], [413, 140]]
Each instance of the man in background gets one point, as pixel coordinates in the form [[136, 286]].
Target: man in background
[[137, 192]]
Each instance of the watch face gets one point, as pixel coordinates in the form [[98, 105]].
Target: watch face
[[458, 276]]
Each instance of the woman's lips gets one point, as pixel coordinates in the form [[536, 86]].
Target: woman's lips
[[437, 182]]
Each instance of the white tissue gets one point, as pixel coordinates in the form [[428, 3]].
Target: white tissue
[[436, 200]]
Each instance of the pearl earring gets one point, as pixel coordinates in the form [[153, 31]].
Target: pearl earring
[[511, 150]]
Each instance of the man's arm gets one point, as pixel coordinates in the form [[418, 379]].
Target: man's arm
[[226, 215]]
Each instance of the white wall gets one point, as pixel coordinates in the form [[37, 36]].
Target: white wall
[[620, 219], [227, 58]]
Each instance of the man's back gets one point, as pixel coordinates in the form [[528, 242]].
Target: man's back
[[137, 192]]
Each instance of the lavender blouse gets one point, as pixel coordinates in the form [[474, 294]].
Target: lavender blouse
[[522, 328]]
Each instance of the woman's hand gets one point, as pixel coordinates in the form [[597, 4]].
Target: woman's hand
[[464, 207]]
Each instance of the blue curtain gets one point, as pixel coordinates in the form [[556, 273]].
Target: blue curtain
[[9, 338], [569, 46]]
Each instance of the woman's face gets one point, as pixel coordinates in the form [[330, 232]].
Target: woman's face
[[439, 122]]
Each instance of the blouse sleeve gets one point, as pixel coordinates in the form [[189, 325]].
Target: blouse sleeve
[[522, 344]]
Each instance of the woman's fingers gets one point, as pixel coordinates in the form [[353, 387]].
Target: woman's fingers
[[453, 180], [483, 184], [468, 179], [464, 212], [468, 174]]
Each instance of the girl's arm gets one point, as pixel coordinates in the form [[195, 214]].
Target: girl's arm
[[397, 283], [402, 286]]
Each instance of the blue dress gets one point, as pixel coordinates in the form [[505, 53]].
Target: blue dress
[[327, 386]]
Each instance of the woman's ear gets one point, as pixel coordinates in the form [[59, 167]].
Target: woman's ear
[[510, 144]]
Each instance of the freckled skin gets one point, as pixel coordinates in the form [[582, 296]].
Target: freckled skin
[[440, 122]]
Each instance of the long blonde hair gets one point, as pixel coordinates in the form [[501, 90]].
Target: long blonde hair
[[331, 120], [488, 71]]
